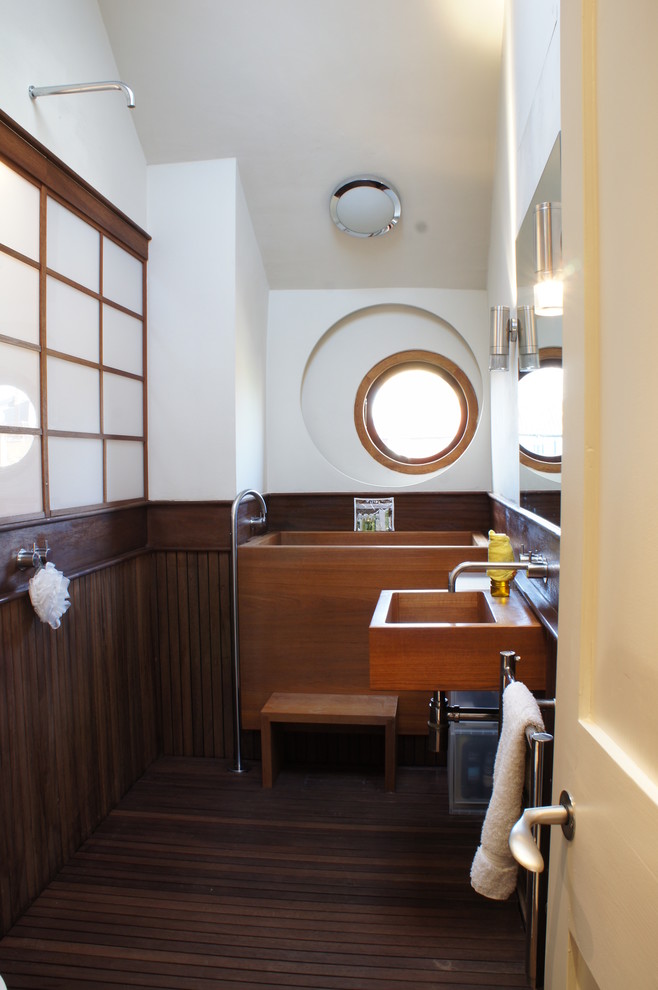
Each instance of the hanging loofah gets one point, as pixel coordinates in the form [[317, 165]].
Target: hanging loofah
[[49, 595]]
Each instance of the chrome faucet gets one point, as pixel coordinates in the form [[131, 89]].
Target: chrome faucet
[[536, 567], [259, 520]]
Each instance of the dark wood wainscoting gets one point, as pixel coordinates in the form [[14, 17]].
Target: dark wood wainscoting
[[77, 544], [193, 632], [141, 665], [79, 721], [413, 510], [526, 530], [547, 505]]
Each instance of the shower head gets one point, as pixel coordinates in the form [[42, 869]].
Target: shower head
[[96, 87]]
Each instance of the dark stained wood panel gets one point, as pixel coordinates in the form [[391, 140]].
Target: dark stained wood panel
[[79, 721], [190, 525], [547, 505], [413, 510], [200, 878], [193, 622], [207, 525], [78, 543], [528, 531], [140, 666]]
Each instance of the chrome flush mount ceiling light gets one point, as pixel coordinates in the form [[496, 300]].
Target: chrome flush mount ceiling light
[[365, 206]]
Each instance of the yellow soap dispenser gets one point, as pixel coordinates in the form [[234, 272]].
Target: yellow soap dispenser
[[500, 549]]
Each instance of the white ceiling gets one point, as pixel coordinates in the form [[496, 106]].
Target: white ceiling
[[307, 93]]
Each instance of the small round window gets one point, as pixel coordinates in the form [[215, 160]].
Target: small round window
[[540, 413], [416, 412]]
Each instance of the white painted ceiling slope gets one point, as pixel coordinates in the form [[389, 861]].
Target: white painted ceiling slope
[[307, 93]]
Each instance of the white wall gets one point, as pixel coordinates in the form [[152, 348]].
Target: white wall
[[298, 455], [208, 292], [536, 92], [252, 291], [207, 332], [312, 444], [529, 123], [191, 342], [501, 280], [206, 319], [44, 43]]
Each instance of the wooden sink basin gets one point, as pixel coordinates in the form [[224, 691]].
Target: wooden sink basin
[[451, 641], [433, 607]]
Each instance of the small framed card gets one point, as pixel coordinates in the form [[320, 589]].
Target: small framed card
[[374, 515]]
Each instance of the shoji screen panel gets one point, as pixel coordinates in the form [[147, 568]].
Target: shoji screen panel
[[95, 346], [72, 339], [124, 397], [20, 374]]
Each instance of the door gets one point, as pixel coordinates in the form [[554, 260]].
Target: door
[[603, 888]]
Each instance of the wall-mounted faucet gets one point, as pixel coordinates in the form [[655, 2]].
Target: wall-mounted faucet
[[537, 567]]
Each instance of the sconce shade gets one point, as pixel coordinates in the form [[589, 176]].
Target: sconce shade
[[548, 297], [548, 238], [527, 331], [499, 338], [548, 259]]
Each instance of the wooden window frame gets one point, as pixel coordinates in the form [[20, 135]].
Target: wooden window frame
[[549, 357], [447, 370], [56, 181]]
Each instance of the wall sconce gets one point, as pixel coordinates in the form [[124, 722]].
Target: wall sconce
[[548, 259], [503, 330]]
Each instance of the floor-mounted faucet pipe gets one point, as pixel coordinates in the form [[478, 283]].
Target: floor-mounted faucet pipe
[[238, 766]]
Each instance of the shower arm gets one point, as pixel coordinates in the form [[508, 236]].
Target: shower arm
[[93, 87]]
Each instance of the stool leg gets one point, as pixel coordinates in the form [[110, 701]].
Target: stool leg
[[390, 755], [266, 751]]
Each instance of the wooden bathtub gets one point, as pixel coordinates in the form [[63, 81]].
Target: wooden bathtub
[[306, 600], [333, 538]]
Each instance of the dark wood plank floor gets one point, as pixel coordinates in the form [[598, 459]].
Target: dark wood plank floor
[[202, 879]]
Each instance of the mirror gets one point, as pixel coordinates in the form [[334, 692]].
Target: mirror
[[540, 477]]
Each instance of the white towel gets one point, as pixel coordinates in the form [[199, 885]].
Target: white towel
[[494, 869]]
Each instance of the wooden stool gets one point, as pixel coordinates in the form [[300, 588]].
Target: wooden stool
[[327, 709]]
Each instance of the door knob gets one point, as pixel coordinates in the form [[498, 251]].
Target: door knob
[[521, 842]]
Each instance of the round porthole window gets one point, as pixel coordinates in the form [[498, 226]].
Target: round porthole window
[[415, 412], [540, 413]]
